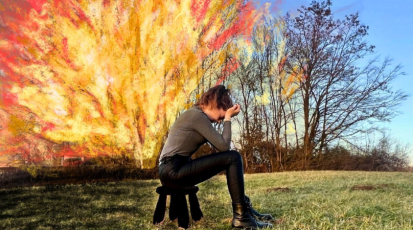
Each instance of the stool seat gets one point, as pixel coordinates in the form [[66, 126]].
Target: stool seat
[[176, 191], [178, 207]]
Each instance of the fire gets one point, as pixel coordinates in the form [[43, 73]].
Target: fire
[[104, 77]]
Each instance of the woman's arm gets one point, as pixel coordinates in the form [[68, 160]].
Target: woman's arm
[[205, 128], [222, 142]]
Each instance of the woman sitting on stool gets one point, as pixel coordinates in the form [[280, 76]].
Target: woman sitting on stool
[[191, 130]]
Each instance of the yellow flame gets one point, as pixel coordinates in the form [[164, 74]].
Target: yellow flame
[[118, 77]]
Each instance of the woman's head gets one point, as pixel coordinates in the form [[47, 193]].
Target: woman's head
[[216, 97]]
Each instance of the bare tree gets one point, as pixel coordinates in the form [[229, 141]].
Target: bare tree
[[244, 94], [265, 92], [271, 80], [336, 94]]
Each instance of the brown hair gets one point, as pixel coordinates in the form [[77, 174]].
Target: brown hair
[[216, 96]]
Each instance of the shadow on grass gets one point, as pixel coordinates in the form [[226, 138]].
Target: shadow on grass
[[108, 205]]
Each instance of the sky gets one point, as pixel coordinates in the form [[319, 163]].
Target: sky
[[391, 31]]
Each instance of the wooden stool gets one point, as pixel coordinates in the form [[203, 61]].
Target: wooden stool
[[178, 207]]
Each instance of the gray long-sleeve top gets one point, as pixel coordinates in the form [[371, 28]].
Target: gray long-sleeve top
[[191, 130]]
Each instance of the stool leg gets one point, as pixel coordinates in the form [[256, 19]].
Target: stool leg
[[183, 216], [159, 213], [173, 208], [196, 212]]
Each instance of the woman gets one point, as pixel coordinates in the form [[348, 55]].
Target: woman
[[191, 130]]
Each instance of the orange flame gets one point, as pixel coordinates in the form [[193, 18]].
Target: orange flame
[[89, 78]]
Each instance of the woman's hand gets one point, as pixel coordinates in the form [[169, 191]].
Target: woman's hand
[[233, 111]]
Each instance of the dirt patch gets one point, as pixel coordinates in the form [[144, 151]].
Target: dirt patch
[[279, 221], [369, 187], [279, 189]]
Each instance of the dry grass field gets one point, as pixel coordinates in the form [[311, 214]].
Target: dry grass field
[[299, 200]]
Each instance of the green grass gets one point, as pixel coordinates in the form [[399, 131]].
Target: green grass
[[316, 200]]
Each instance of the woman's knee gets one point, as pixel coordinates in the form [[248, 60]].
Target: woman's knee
[[235, 155]]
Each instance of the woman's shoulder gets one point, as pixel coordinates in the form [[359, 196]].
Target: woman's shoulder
[[193, 113], [190, 118]]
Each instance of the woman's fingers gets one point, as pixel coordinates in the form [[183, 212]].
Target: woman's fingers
[[238, 108], [234, 110]]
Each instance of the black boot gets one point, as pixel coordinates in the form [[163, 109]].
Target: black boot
[[243, 219], [255, 213]]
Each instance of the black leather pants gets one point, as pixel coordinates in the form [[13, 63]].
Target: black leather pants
[[178, 171]]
